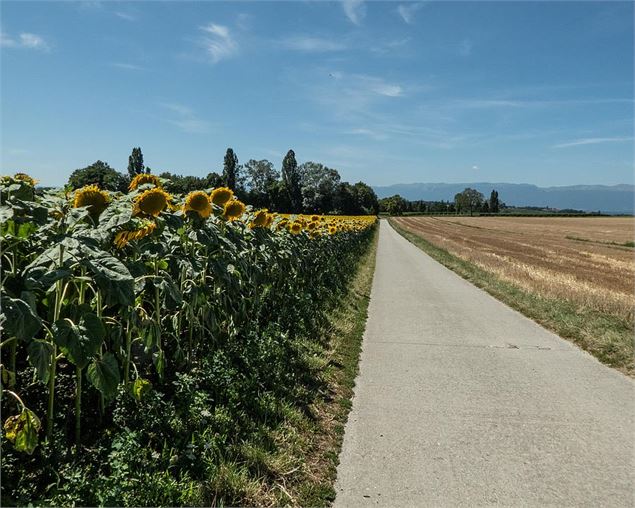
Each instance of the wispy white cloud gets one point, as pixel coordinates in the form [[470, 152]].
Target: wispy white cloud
[[244, 21], [218, 42], [312, 44], [465, 47], [391, 46], [25, 40], [377, 136], [407, 11], [355, 10], [125, 15], [184, 118], [127, 66], [592, 141], [523, 103], [381, 87]]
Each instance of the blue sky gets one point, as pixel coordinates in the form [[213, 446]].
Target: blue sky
[[386, 92]]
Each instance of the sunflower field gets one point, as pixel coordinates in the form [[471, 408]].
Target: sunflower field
[[144, 334]]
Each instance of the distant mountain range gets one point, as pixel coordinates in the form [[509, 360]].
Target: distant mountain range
[[606, 198]]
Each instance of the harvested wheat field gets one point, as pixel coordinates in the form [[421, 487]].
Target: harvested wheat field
[[587, 261]]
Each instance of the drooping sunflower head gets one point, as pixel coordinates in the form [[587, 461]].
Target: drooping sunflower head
[[143, 178], [23, 177], [221, 196], [123, 237], [270, 217], [233, 209], [295, 228], [198, 202], [93, 197], [260, 219], [151, 202]]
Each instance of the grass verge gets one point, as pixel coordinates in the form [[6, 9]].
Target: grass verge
[[298, 462], [607, 337]]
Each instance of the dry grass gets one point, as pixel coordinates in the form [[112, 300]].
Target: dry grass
[[582, 289], [546, 255]]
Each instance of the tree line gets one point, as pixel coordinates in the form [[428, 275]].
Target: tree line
[[310, 187], [467, 201]]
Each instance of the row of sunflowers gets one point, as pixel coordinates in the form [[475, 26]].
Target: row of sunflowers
[[107, 297]]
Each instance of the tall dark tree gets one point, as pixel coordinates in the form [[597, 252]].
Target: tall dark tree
[[101, 174], [494, 204], [230, 169], [135, 163], [292, 181]]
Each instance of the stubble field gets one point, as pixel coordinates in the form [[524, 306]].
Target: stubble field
[[587, 262], [572, 258]]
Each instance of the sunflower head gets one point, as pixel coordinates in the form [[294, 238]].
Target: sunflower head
[[23, 177], [295, 228], [260, 219], [151, 202], [315, 218], [198, 202], [284, 222], [270, 217], [123, 237], [332, 230], [311, 226], [233, 209], [143, 178], [93, 197], [221, 196]]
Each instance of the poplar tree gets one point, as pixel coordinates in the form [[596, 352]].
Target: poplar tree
[[494, 205], [292, 181], [230, 169], [135, 163]]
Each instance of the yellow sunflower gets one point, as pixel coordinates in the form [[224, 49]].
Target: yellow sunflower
[[295, 228], [315, 218], [143, 178], [151, 202], [312, 225], [260, 219], [93, 197], [283, 223], [332, 230], [233, 209], [123, 237], [199, 202], [23, 177], [221, 196], [270, 217]]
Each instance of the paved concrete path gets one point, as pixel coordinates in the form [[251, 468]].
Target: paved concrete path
[[461, 401]]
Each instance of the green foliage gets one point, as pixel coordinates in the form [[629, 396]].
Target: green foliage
[[179, 184], [22, 430], [231, 170], [469, 200], [292, 181], [494, 203], [191, 338], [135, 163], [394, 205], [101, 174]]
